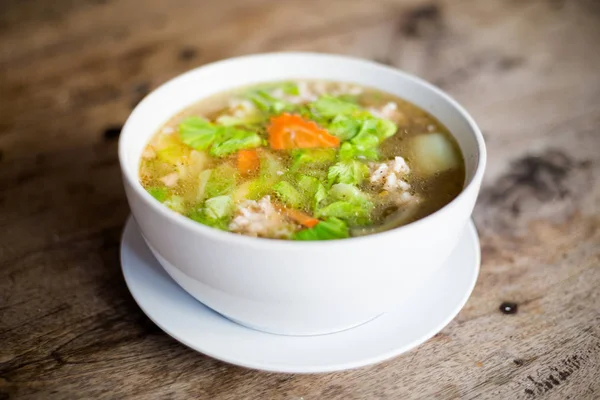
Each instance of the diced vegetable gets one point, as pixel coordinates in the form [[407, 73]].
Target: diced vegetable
[[216, 212], [289, 131], [351, 194], [200, 134], [385, 129], [300, 217], [169, 149], [349, 151], [290, 88], [159, 193], [352, 213], [319, 157], [267, 103], [288, 194], [433, 153], [271, 171], [328, 106], [219, 207], [345, 127], [312, 190], [175, 203], [352, 172], [202, 181], [247, 162], [232, 140], [197, 132], [332, 228]]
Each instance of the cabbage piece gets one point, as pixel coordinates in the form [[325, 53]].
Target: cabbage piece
[[198, 133], [329, 106], [216, 212], [354, 214], [169, 149], [432, 153], [349, 151], [219, 207], [158, 192], [352, 172], [318, 157], [351, 194], [203, 178], [332, 228], [232, 140], [313, 190], [175, 203], [288, 194], [271, 171], [267, 103], [344, 127]]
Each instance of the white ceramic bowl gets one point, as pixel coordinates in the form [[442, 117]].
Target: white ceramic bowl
[[286, 287]]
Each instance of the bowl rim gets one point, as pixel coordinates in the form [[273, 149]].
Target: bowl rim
[[132, 179]]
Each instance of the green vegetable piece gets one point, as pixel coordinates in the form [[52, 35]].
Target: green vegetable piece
[[198, 133], [332, 228], [268, 176], [319, 157], [329, 107], [312, 190], [201, 216], [232, 140], [320, 196], [351, 194], [348, 98], [170, 149], [288, 194], [344, 127], [367, 137], [159, 193], [175, 203], [348, 152], [385, 129], [216, 212], [221, 181], [267, 103], [353, 214], [219, 207], [352, 172], [203, 178], [290, 88]]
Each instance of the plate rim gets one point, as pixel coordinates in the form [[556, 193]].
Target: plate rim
[[470, 232]]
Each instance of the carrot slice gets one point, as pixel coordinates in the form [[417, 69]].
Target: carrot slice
[[247, 161], [301, 217], [296, 215], [289, 131]]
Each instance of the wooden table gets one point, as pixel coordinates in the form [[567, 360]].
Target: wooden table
[[529, 72]]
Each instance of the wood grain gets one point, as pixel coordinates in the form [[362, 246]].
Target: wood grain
[[70, 72]]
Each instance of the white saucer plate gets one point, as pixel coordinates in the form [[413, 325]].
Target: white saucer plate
[[424, 314]]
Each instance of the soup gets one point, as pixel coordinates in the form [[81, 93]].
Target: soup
[[303, 160]]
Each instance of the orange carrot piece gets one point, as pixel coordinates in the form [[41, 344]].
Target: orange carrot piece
[[301, 217], [288, 131], [247, 161]]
